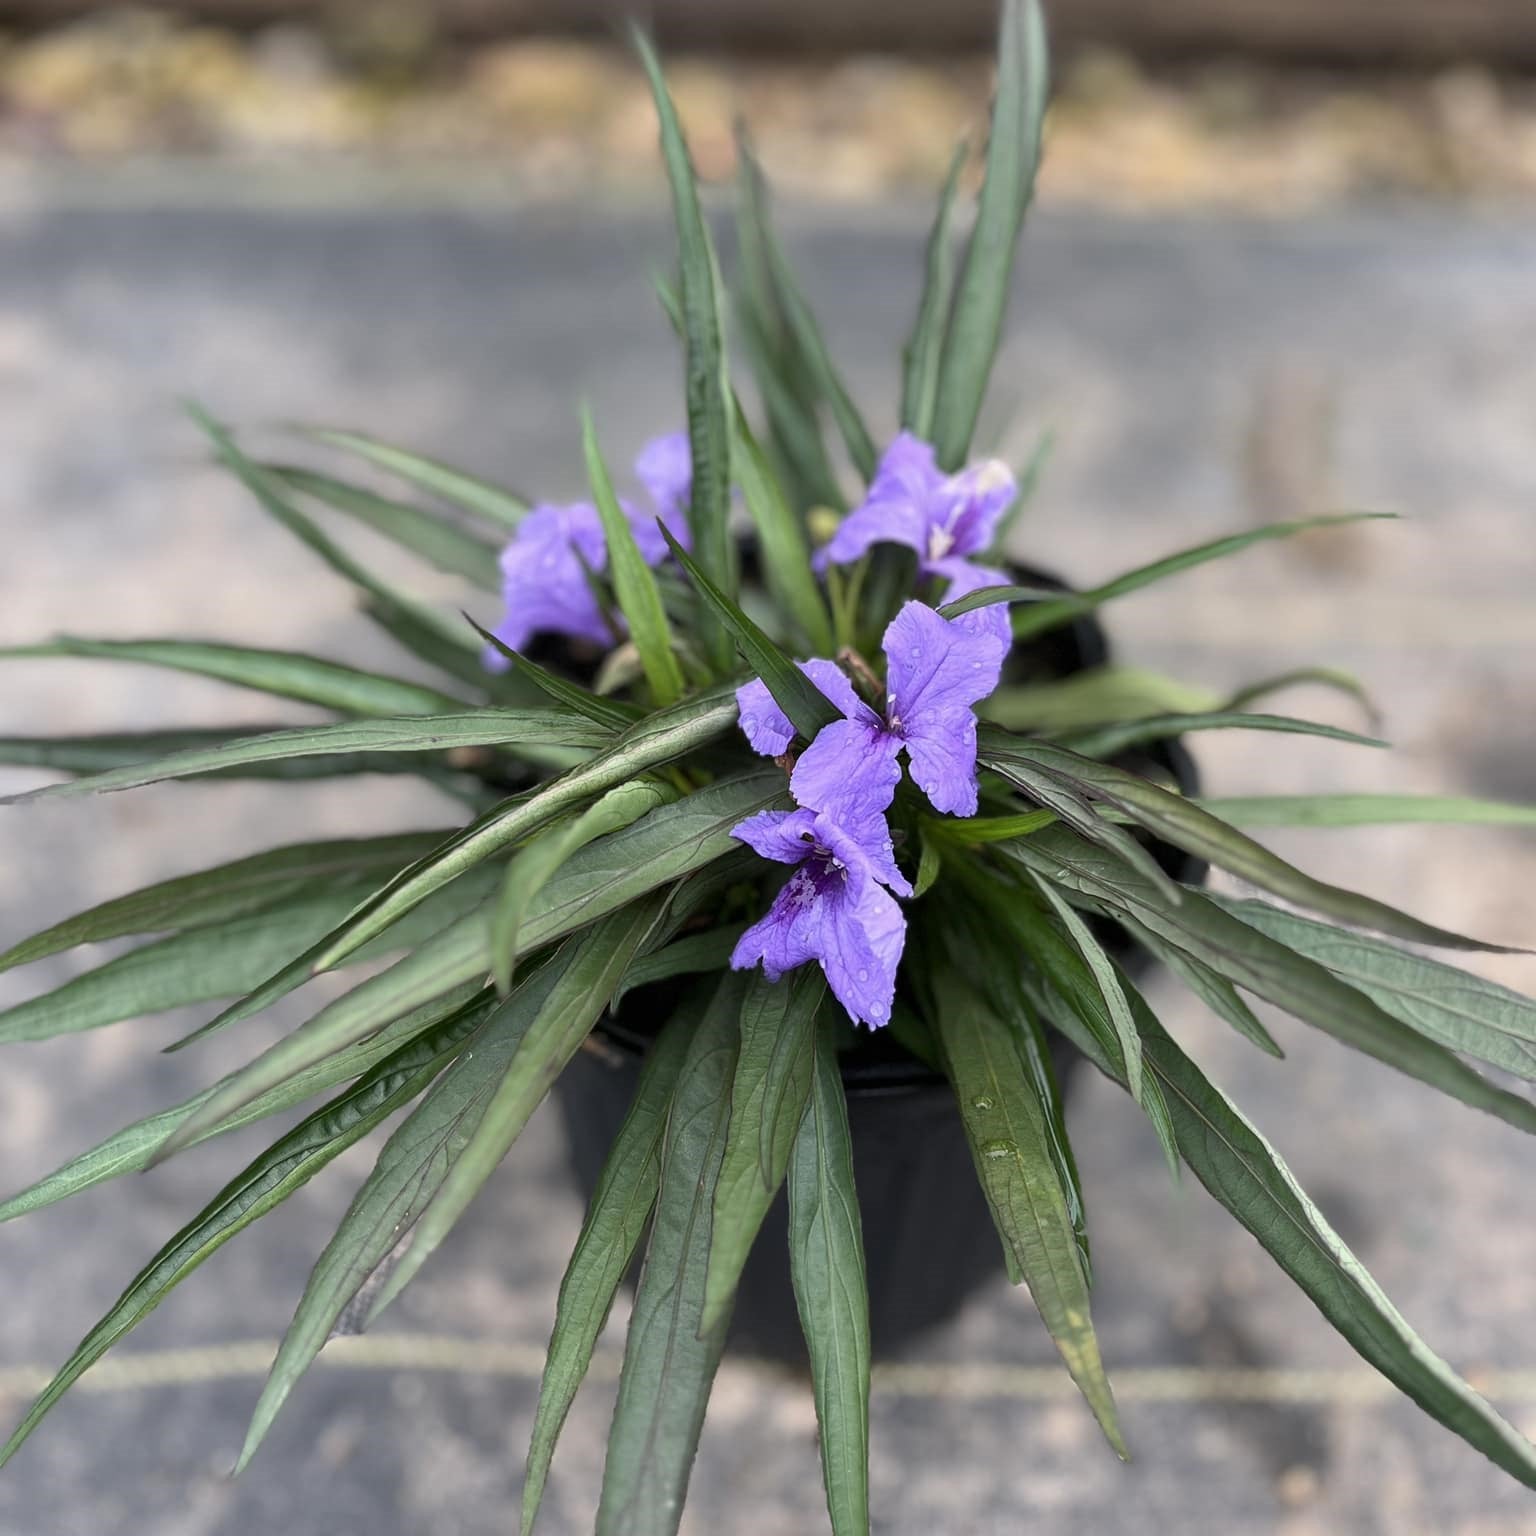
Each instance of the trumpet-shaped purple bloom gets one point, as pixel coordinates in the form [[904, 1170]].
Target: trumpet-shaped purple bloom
[[937, 670], [544, 569], [833, 909], [946, 518]]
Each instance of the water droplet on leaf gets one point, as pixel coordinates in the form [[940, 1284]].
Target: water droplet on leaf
[[998, 1149]]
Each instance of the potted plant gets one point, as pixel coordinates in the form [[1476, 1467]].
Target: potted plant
[[816, 838]]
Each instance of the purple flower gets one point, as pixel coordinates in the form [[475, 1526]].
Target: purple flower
[[833, 909], [543, 582], [945, 518], [937, 669]]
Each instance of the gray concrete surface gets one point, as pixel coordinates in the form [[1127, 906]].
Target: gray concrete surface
[[1201, 375]]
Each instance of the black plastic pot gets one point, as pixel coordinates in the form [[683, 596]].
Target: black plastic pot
[[928, 1235]]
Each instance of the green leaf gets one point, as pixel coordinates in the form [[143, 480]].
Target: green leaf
[[287, 1165], [411, 1168], [768, 1098], [610, 1237], [417, 627], [221, 960], [491, 502], [669, 1358], [530, 870], [1249, 959], [285, 674], [604, 876], [1111, 740], [1106, 695], [652, 743], [1013, 153], [95, 754], [527, 730], [1452, 1007], [1177, 820], [924, 349], [572, 1006], [1364, 810], [1102, 969], [133, 1148], [613, 713], [1212, 988], [633, 585], [792, 690], [226, 891], [1229, 1156], [698, 952], [810, 343], [1005, 1122], [707, 383], [1068, 801], [436, 540], [1052, 612], [786, 555], [826, 1263]]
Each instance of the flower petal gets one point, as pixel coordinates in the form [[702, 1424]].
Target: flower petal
[[898, 508], [543, 584], [977, 498], [936, 664], [768, 729], [861, 939], [850, 768], [788, 936], [665, 468], [941, 751], [786, 837], [861, 842]]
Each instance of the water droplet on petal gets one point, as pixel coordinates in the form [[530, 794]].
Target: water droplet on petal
[[863, 975], [877, 1011]]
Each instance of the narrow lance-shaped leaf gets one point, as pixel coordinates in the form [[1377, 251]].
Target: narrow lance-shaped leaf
[[225, 891], [633, 584], [658, 740], [1177, 820], [132, 1149], [1111, 741], [284, 674], [614, 713], [707, 386], [809, 340], [1240, 1168], [688, 956], [264, 1183], [610, 1237], [786, 556], [532, 868], [1458, 1010], [1364, 810], [768, 1096], [924, 349], [1040, 615], [492, 502], [564, 1019], [604, 876], [1013, 153], [429, 535], [669, 1358], [1005, 1124], [795, 694], [1102, 968], [98, 754], [826, 1264], [1270, 970], [409, 1171], [529, 731], [416, 626]]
